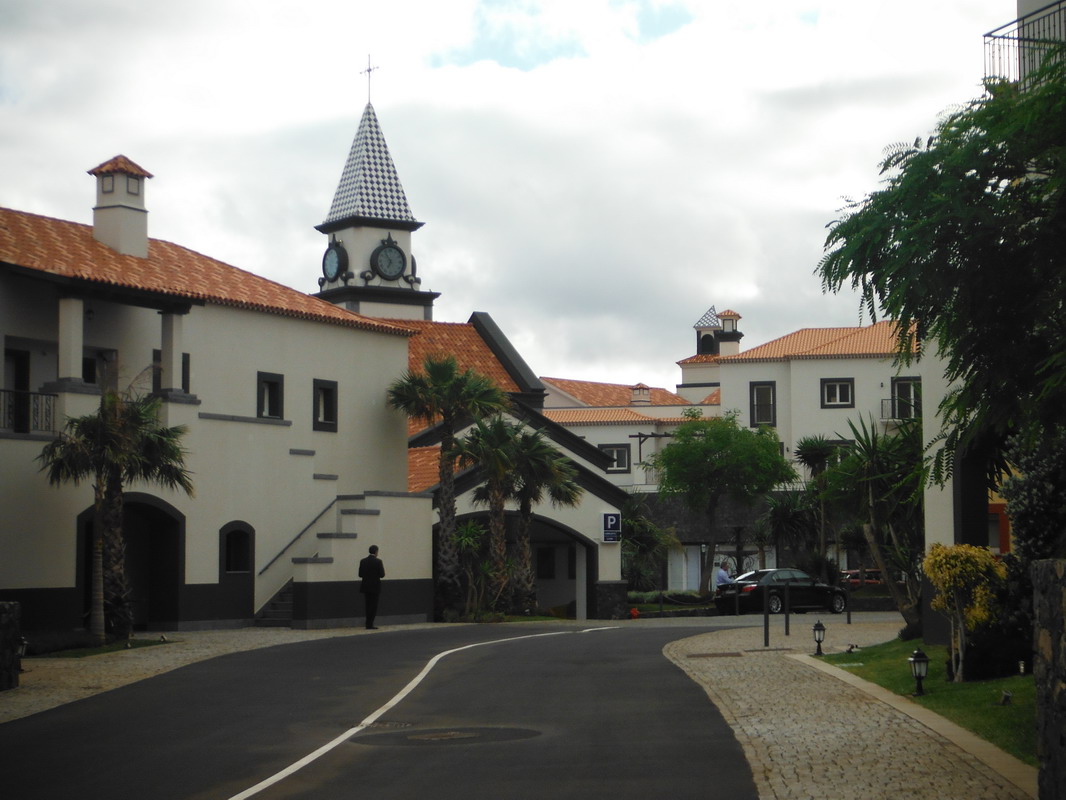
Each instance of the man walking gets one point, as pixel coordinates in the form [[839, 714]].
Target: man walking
[[371, 571]]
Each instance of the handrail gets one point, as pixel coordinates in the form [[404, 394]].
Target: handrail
[[296, 538], [27, 412]]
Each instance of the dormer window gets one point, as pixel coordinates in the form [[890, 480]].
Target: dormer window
[[107, 184], [133, 184], [729, 325]]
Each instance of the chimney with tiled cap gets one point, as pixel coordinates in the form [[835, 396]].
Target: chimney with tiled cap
[[729, 337], [640, 395], [120, 219]]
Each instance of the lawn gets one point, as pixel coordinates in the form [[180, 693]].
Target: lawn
[[975, 706]]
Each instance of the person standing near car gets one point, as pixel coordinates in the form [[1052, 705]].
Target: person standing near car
[[722, 576], [371, 571]]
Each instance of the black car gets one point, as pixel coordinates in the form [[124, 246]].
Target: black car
[[804, 593]]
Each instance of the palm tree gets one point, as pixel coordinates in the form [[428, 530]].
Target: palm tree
[[490, 446], [815, 452], [448, 396], [539, 470], [120, 443]]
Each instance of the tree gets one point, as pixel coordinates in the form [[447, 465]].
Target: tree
[[815, 453], [443, 394], [708, 458], [540, 472], [490, 446], [645, 546], [121, 443], [965, 578], [882, 476], [963, 247]]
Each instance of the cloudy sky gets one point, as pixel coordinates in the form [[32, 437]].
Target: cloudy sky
[[595, 174]]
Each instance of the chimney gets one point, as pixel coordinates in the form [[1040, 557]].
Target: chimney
[[120, 219], [640, 395], [729, 337]]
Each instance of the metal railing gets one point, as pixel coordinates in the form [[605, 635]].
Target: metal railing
[[27, 412], [1014, 50], [899, 408]]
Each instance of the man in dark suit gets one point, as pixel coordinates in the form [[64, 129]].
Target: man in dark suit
[[371, 571]]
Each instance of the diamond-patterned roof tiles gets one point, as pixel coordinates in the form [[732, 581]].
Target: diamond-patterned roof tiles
[[708, 320], [876, 340], [64, 249], [590, 393], [369, 185]]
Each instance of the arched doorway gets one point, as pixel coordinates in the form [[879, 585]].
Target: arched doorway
[[155, 559]]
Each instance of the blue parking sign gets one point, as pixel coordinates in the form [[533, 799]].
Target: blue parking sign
[[612, 527]]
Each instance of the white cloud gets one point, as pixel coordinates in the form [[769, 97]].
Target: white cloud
[[595, 175]]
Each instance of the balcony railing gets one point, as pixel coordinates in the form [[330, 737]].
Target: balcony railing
[[27, 412], [1014, 50], [895, 408]]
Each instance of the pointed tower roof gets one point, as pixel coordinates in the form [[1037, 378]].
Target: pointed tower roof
[[709, 320], [369, 191]]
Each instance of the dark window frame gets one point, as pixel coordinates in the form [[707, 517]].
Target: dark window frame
[[753, 388], [913, 403], [157, 378], [626, 447], [236, 549], [324, 405], [827, 382], [270, 406]]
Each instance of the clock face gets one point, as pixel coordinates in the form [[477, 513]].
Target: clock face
[[335, 261], [389, 262]]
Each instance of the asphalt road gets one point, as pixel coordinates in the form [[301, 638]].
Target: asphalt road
[[569, 715]]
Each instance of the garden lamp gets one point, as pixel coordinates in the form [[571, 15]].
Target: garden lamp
[[819, 637], [919, 662]]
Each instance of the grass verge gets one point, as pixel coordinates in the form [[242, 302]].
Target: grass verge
[[975, 706]]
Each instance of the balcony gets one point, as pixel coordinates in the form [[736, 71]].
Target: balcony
[[27, 412], [899, 408], [1014, 50]]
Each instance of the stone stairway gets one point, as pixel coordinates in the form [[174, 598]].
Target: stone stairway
[[278, 612]]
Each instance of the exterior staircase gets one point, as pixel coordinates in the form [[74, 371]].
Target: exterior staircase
[[277, 613]]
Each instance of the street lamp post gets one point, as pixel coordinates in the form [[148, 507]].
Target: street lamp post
[[819, 637], [919, 662]]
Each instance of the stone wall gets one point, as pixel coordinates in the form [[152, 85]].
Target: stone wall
[[1049, 669], [10, 635]]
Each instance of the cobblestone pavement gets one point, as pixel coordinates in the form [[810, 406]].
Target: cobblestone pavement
[[808, 731], [811, 731]]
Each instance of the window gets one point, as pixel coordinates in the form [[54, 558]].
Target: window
[[620, 454], [107, 184], [236, 546], [133, 184], [763, 404], [270, 402], [838, 393], [545, 563], [906, 398], [325, 406], [157, 376]]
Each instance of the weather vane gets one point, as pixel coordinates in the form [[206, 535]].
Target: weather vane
[[367, 72]]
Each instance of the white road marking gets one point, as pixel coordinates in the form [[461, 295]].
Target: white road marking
[[348, 734]]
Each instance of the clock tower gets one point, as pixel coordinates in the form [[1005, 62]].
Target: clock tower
[[368, 266]]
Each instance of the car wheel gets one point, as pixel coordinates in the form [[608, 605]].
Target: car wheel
[[775, 604], [837, 604]]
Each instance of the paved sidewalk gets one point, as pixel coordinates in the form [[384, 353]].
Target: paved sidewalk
[[808, 730]]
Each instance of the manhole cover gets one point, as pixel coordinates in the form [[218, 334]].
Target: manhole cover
[[444, 736]]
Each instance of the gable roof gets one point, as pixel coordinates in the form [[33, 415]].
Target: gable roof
[[66, 253], [604, 416], [603, 395], [872, 341]]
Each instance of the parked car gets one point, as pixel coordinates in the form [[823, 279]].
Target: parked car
[[804, 593], [851, 578]]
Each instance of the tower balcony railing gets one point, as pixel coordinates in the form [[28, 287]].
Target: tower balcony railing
[[27, 412], [1014, 50]]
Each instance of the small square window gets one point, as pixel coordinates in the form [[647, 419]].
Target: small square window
[[325, 406], [107, 184], [271, 395], [133, 184], [838, 393], [620, 454]]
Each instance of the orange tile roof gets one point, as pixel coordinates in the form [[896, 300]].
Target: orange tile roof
[[120, 164], [729, 313], [68, 250], [596, 416], [611, 394], [459, 339], [872, 341], [713, 399], [702, 358], [422, 468]]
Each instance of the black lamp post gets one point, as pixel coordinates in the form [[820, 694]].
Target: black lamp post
[[919, 662], [819, 637]]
